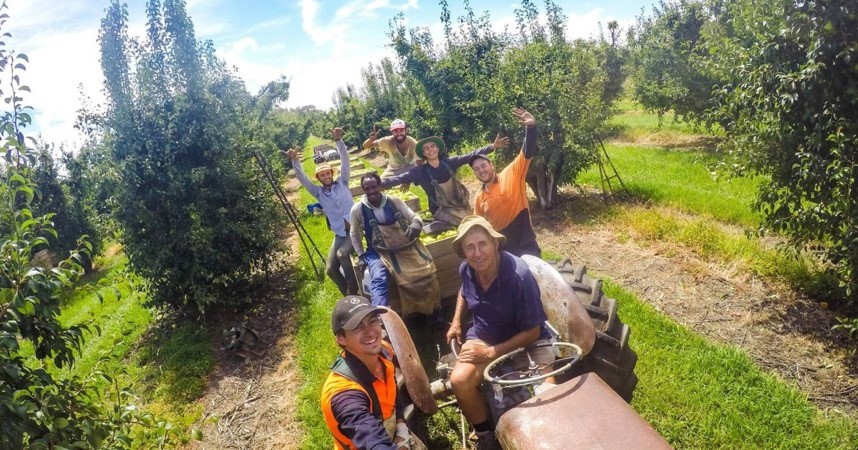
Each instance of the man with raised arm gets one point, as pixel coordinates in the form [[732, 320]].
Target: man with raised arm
[[336, 200], [449, 199], [399, 147], [503, 197]]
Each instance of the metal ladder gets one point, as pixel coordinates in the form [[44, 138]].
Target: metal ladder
[[603, 161], [292, 214]]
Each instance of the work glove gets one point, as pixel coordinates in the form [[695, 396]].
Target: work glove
[[361, 264], [413, 232]]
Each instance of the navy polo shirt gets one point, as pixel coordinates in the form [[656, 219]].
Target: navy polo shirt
[[512, 303]]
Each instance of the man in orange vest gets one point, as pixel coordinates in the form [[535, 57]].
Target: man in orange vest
[[502, 200], [359, 396]]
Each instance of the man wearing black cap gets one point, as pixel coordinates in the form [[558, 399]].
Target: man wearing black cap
[[359, 396], [503, 197], [449, 199]]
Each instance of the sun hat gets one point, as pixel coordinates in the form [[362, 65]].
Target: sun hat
[[323, 167], [468, 223], [442, 149], [350, 311], [397, 124]]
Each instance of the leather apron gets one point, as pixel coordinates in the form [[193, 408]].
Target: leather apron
[[452, 198], [409, 263]]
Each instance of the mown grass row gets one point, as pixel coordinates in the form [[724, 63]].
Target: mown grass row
[[164, 364], [703, 395]]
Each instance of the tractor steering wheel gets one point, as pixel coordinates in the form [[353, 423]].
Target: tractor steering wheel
[[525, 377]]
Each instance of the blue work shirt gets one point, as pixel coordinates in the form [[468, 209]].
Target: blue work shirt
[[337, 200], [512, 303]]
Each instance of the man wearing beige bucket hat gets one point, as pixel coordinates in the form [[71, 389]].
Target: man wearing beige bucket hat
[[503, 297], [336, 200]]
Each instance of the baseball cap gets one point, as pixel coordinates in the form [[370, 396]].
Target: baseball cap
[[350, 311], [470, 222], [397, 124], [475, 156]]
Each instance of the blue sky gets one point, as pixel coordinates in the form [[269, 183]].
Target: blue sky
[[320, 45]]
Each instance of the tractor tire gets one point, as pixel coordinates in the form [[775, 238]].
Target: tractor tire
[[611, 357]]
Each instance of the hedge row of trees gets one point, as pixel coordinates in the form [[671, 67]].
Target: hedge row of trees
[[167, 170], [781, 79], [196, 216]]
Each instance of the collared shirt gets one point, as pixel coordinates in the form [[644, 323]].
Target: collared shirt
[[511, 304], [337, 200]]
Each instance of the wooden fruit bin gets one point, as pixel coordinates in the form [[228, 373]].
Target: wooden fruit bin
[[447, 266]]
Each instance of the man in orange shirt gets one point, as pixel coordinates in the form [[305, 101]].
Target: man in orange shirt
[[503, 197]]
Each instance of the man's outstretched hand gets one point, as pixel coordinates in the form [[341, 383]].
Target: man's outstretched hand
[[500, 142], [525, 118], [291, 154]]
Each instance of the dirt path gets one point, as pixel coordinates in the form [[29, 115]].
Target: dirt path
[[784, 333], [251, 402]]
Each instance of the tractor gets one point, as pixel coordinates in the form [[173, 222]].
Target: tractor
[[579, 401]]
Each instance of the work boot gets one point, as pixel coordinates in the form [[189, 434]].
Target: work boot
[[488, 441]]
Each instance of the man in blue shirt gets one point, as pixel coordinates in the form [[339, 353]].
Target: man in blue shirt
[[336, 200], [504, 299]]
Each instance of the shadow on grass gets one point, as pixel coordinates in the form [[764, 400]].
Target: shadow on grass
[[583, 207]]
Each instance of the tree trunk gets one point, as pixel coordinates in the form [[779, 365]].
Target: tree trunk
[[544, 185]]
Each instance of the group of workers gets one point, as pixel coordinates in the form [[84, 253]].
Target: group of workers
[[359, 399]]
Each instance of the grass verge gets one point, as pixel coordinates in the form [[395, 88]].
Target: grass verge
[[702, 395], [165, 364], [683, 180]]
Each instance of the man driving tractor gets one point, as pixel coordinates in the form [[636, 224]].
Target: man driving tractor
[[504, 299]]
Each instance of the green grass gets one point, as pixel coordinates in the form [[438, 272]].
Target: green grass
[[164, 364], [702, 395], [682, 180], [633, 122]]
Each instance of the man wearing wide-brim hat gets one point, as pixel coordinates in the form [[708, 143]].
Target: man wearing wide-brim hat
[[336, 199], [449, 199], [503, 297]]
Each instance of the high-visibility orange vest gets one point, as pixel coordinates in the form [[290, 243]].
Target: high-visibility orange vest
[[382, 404]]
